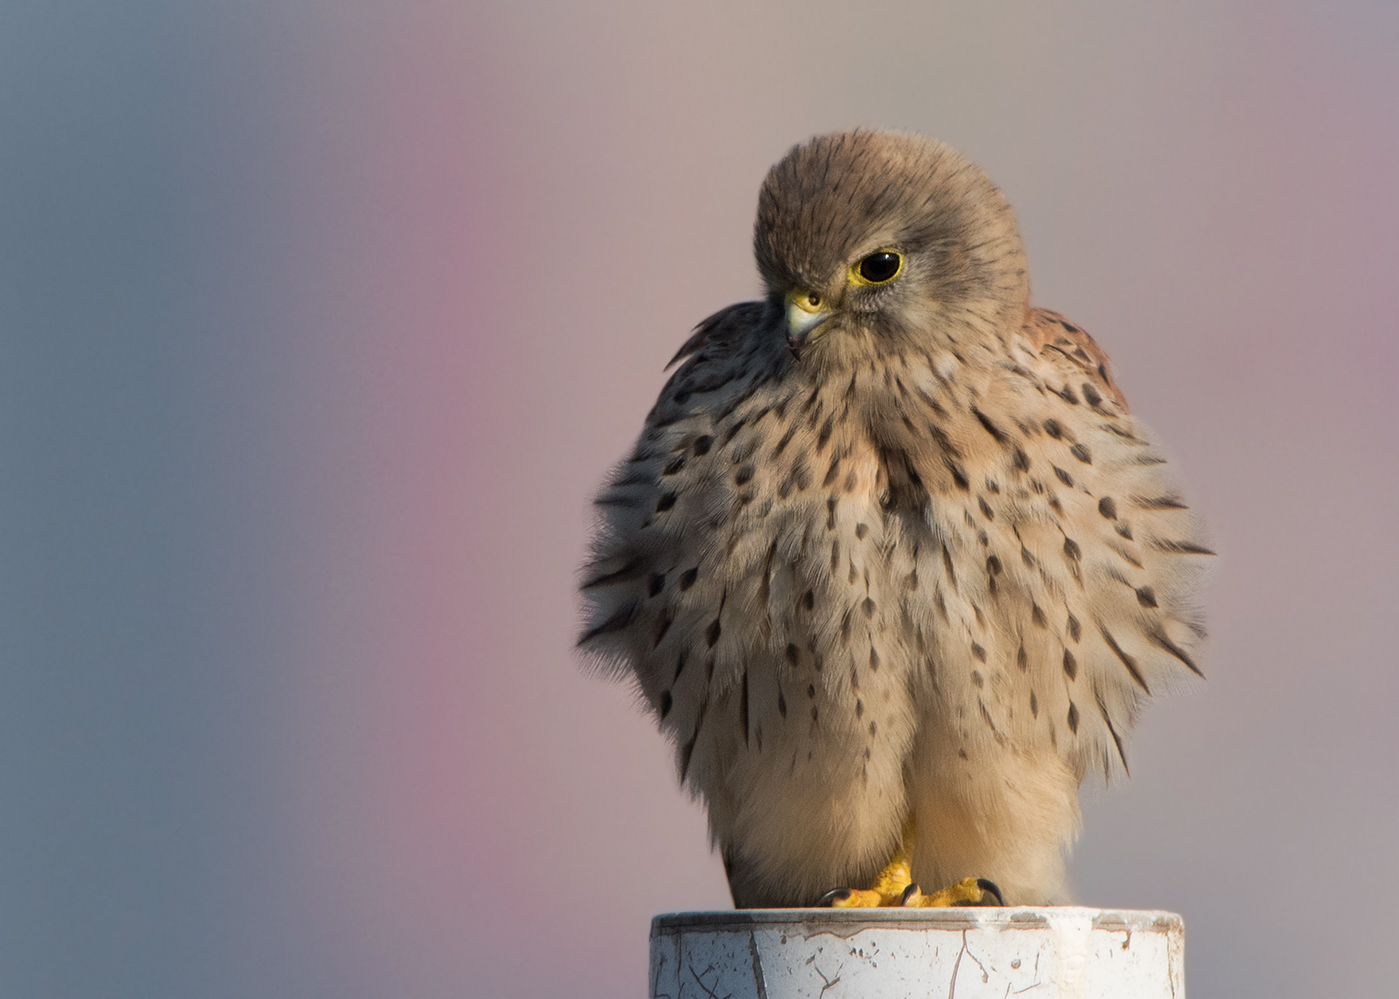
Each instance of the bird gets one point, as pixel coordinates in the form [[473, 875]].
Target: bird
[[892, 563]]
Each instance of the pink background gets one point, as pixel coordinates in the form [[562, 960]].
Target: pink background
[[321, 323]]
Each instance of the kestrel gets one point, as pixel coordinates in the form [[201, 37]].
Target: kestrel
[[892, 564]]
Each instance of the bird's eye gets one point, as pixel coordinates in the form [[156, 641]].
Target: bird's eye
[[880, 266]]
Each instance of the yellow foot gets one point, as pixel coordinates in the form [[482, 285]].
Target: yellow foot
[[894, 887], [889, 887], [968, 891]]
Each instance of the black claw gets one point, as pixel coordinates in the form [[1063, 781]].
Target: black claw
[[909, 893], [990, 888], [834, 895]]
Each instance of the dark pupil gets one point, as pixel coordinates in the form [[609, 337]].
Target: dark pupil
[[879, 266]]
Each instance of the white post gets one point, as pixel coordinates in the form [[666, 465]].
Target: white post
[[1065, 952]]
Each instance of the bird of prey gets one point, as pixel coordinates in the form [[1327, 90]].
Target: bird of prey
[[892, 564]]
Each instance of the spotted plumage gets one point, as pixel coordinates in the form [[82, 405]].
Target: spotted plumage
[[892, 549]]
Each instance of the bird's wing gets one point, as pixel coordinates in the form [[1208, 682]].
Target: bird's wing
[[1078, 562], [656, 523], [1051, 334]]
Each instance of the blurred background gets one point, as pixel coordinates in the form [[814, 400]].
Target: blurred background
[[321, 321]]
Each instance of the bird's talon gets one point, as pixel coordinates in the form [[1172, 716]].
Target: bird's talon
[[829, 900], [911, 895], [992, 889]]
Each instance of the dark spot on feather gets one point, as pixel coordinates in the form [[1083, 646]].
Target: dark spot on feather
[[1159, 503], [732, 431], [1159, 639], [618, 620], [1021, 460], [685, 753], [831, 471], [986, 510], [688, 577], [1080, 451], [1053, 429], [1112, 729], [666, 703], [743, 708], [1026, 557], [1072, 550], [1146, 596], [859, 708], [1127, 661], [874, 658], [861, 530], [811, 690], [993, 565], [977, 679], [809, 599], [1066, 393], [1070, 665], [978, 651], [793, 654], [868, 607], [1021, 659], [657, 583], [662, 626], [1179, 547], [782, 704], [1037, 616], [782, 444], [712, 633], [1063, 476], [1034, 705], [633, 568], [1075, 630], [959, 474], [743, 475], [835, 556], [947, 566], [1107, 508], [674, 465], [666, 501], [990, 427], [1073, 718], [623, 502], [825, 435]]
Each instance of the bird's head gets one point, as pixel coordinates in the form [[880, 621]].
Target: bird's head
[[871, 242]]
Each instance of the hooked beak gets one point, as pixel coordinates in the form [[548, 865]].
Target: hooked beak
[[805, 312]]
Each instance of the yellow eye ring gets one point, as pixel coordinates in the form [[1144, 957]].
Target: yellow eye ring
[[879, 267]]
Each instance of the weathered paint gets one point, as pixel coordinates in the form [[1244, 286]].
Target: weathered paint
[[1067, 952]]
